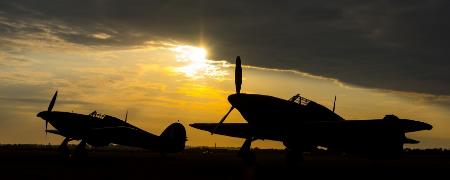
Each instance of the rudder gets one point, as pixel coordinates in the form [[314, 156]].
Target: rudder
[[173, 138]]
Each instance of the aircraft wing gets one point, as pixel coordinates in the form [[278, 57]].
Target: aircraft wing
[[54, 132], [359, 131], [324, 132], [239, 130]]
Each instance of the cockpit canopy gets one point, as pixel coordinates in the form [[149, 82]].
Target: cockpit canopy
[[103, 117], [300, 100], [390, 117], [97, 115]]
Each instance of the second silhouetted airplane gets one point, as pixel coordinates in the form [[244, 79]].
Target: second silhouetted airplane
[[304, 125]]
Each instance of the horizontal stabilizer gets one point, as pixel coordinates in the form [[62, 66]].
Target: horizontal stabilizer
[[239, 130], [410, 141]]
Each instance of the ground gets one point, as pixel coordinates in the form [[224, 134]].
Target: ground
[[115, 163]]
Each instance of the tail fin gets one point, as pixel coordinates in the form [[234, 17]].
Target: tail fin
[[173, 138]]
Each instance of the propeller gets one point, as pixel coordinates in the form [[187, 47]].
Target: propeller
[[221, 121], [238, 75], [237, 83], [334, 103], [126, 116], [52, 103], [50, 107]]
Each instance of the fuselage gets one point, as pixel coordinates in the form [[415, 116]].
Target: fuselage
[[76, 125], [275, 118], [99, 130]]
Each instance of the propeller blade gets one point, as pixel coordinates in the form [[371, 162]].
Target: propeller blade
[[46, 125], [126, 116], [238, 75], [221, 121], [334, 103], [52, 102]]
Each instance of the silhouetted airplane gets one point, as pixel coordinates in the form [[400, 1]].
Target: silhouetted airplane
[[101, 130], [304, 125]]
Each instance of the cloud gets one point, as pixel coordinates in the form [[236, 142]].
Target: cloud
[[101, 36], [41, 101], [395, 45]]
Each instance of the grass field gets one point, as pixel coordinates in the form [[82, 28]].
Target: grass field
[[44, 162]]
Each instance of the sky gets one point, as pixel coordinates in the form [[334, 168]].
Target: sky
[[169, 61]]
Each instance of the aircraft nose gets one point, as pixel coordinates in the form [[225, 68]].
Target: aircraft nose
[[233, 99], [427, 126], [419, 125], [42, 114]]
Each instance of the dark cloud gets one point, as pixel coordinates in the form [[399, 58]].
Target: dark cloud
[[398, 45], [23, 100]]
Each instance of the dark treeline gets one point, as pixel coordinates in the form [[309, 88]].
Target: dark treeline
[[434, 151]]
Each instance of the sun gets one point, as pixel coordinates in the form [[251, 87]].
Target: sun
[[195, 63], [190, 54]]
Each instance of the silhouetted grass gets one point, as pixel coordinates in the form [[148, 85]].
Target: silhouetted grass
[[27, 161]]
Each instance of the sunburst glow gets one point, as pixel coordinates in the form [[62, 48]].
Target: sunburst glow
[[196, 65], [190, 54]]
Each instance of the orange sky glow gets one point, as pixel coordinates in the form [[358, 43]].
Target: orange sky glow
[[163, 82]]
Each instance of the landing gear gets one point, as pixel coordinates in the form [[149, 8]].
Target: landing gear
[[245, 153], [80, 150], [63, 149], [295, 148]]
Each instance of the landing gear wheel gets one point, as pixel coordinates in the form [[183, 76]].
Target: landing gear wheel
[[63, 149], [246, 154], [80, 150]]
